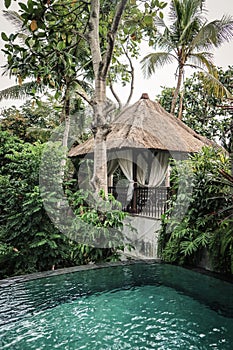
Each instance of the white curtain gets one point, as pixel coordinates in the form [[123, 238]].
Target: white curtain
[[126, 164], [159, 168], [142, 169], [124, 159], [112, 166]]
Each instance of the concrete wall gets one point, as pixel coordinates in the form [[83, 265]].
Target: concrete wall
[[144, 239]]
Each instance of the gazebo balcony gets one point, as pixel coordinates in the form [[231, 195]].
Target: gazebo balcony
[[146, 201]]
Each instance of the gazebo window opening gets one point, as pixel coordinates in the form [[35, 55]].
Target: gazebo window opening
[[137, 173]]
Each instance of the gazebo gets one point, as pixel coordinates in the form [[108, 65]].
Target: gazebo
[[142, 140]]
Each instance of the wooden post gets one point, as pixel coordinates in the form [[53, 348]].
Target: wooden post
[[134, 199]]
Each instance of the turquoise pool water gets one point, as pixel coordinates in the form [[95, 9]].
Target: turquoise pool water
[[138, 306]]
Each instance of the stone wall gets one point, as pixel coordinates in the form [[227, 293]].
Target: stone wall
[[144, 239]]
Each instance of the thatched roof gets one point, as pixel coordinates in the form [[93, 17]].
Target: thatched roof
[[147, 125]]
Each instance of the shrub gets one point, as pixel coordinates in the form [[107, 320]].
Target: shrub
[[196, 218]]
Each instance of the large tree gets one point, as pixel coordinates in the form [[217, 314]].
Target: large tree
[[70, 42], [187, 40]]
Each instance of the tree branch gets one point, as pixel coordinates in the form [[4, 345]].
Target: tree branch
[[84, 96], [115, 96], [111, 37], [132, 77]]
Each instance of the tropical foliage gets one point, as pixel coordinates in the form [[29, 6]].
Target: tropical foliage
[[38, 121], [31, 122], [72, 45], [29, 240], [205, 113], [188, 40], [200, 214]]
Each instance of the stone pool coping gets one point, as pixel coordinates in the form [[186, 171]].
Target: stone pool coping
[[33, 276], [37, 275]]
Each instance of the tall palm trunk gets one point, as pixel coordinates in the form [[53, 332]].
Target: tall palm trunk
[[181, 105], [178, 86]]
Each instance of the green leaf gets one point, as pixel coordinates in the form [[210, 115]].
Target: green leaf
[[4, 36], [52, 244], [23, 6], [38, 244], [161, 14], [148, 20], [7, 3], [61, 45], [163, 5]]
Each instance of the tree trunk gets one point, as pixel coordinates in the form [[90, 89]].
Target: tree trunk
[[177, 90], [100, 130], [101, 66], [62, 166], [99, 179], [66, 120], [231, 158], [67, 123], [181, 105]]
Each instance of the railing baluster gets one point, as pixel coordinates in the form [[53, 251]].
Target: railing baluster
[[151, 201]]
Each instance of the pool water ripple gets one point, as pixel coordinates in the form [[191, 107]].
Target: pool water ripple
[[69, 313]]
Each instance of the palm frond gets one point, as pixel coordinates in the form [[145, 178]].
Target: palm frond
[[16, 20], [184, 13], [213, 34], [192, 11], [174, 10], [19, 91], [202, 60], [159, 22], [189, 32], [155, 60], [164, 41], [212, 84], [205, 38], [224, 29]]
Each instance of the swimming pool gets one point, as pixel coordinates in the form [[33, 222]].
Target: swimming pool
[[124, 306]]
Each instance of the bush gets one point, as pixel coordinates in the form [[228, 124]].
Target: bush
[[196, 219], [29, 240]]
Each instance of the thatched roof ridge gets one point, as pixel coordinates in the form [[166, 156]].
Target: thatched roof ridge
[[146, 124]]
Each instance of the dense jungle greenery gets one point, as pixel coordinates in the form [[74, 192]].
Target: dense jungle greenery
[[29, 241], [66, 48], [199, 221], [202, 111], [200, 217]]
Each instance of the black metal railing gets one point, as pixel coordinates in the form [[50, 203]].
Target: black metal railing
[[145, 201]]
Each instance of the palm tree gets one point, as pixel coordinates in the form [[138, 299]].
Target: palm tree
[[189, 41]]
